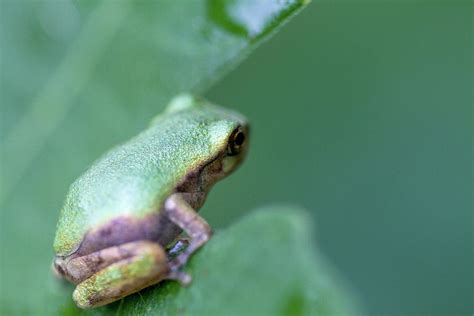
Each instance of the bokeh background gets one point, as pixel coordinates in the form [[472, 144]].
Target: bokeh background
[[361, 112]]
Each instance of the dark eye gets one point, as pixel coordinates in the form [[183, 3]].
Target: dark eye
[[236, 141]]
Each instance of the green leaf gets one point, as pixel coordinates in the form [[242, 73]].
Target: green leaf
[[265, 264], [81, 76]]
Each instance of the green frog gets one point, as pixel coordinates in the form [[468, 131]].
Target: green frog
[[131, 220]]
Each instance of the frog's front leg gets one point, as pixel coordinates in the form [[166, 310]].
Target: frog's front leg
[[113, 273], [182, 214]]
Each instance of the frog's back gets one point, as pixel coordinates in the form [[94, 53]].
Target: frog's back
[[135, 178]]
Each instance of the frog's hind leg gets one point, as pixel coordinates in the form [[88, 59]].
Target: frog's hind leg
[[182, 214], [116, 272]]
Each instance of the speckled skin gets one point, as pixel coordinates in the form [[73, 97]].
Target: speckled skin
[[134, 179]]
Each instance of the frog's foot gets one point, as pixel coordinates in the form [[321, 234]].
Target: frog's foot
[[113, 273], [178, 247], [183, 215]]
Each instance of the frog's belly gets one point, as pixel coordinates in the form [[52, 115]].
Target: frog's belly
[[119, 230]]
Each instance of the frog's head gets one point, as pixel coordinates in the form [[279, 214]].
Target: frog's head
[[230, 138], [227, 136]]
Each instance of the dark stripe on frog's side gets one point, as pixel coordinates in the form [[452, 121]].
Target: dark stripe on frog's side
[[120, 230]]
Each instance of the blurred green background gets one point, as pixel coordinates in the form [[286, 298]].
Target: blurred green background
[[361, 112]]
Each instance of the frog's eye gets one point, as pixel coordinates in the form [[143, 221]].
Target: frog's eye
[[236, 141]]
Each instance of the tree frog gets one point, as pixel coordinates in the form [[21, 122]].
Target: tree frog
[[123, 215]]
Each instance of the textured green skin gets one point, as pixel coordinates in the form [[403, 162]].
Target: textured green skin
[[136, 177]]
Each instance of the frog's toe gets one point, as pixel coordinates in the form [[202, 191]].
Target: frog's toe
[[182, 277]]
